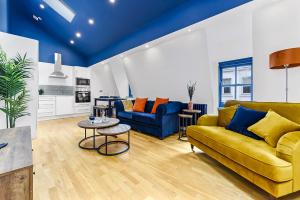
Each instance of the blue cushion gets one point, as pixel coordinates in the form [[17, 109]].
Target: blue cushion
[[146, 118], [126, 115], [243, 118]]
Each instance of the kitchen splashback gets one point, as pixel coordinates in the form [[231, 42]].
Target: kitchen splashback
[[57, 90]]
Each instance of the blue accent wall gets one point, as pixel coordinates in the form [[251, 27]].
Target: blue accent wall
[[191, 12], [3, 15], [48, 45]]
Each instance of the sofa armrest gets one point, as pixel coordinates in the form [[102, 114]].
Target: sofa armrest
[[119, 106], [208, 120], [169, 108], [288, 149]]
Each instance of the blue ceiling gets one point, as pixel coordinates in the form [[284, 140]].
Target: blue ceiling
[[118, 27]]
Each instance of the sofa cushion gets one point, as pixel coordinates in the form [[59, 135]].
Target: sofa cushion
[[158, 102], [272, 127], [126, 115], [146, 118], [226, 115], [256, 155], [243, 118], [139, 104]]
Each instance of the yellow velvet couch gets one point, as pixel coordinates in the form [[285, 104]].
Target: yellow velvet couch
[[275, 170]]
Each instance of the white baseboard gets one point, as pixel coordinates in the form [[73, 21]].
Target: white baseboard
[[63, 116]]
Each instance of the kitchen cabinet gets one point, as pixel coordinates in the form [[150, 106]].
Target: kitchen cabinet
[[46, 106], [64, 105]]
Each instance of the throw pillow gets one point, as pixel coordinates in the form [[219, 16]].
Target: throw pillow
[[158, 102], [139, 105], [226, 114], [128, 106], [243, 118], [273, 127]]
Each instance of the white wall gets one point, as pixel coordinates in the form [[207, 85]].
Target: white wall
[[102, 80], [45, 69], [120, 76], [12, 45], [165, 69], [276, 26]]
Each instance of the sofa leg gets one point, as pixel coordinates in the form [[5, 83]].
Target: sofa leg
[[192, 147]]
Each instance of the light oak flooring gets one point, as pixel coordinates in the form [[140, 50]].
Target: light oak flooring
[[151, 169]]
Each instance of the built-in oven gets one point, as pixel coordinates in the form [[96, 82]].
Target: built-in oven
[[82, 82], [82, 96]]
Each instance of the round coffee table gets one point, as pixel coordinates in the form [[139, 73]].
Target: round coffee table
[[114, 131], [86, 124]]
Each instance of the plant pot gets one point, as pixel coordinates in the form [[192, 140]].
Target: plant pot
[[190, 105]]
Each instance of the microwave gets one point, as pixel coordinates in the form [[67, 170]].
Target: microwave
[[82, 82]]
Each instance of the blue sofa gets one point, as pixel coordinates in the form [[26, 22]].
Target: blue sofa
[[161, 124]]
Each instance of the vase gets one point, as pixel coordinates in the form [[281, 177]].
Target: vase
[[190, 105]]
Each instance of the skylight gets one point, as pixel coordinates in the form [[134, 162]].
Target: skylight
[[62, 9]]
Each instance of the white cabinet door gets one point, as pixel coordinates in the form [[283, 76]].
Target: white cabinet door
[[64, 105]]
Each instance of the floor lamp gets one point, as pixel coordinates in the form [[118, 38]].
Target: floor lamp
[[285, 59]]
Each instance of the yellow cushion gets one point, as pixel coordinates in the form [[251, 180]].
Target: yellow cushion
[[127, 105], [256, 155], [226, 114], [272, 127]]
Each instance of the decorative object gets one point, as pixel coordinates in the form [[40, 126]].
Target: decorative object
[[13, 75], [243, 118], [158, 102], [285, 59], [191, 87], [41, 91], [273, 127]]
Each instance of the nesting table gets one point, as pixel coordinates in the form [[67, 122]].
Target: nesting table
[[194, 113], [109, 128], [86, 124]]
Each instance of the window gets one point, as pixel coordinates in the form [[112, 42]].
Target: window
[[235, 80]]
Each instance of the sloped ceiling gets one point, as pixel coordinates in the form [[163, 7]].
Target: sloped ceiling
[[118, 27]]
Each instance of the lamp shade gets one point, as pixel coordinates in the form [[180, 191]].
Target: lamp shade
[[287, 57]]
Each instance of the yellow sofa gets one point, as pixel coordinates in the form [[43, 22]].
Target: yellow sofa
[[275, 170]]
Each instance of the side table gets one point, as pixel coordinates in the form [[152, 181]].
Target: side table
[[186, 121], [194, 113]]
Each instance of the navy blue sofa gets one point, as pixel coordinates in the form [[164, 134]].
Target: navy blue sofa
[[161, 124]]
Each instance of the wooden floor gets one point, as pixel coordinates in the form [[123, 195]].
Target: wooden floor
[[152, 169]]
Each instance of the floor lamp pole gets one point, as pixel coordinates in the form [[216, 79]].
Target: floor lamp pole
[[286, 82]]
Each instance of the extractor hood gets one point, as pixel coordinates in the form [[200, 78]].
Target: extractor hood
[[57, 68]]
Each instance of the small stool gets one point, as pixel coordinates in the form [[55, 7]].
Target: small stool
[[186, 121], [99, 109]]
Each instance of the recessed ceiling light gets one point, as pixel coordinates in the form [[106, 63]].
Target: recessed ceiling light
[[72, 42], [121, 55], [189, 30], [91, 21], [42, 6], [147, 46], [78, 34], [112, 1]]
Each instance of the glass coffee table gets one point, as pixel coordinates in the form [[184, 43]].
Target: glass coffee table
[[86, 124], [113, 132]]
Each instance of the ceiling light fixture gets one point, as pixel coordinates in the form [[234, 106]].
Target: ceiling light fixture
[[42, 6], [72, 42], [62, 9], [112, 1], [78, 34], [91, 21], [189, 30], [147, 46], [121, 55]]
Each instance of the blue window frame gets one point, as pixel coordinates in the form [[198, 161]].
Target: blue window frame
[[236, 80]]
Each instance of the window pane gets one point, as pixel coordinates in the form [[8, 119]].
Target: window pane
[[243, 93], [228, 93], [228, 77], [244, 75]]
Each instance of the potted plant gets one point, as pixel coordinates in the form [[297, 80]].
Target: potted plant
[[191, 87], [13, 75]]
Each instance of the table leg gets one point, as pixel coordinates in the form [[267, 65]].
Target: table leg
[[85, 133], [106, 145], [94, 139]]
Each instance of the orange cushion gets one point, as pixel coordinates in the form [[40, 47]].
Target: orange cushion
[[139, 105], [158, 101]]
